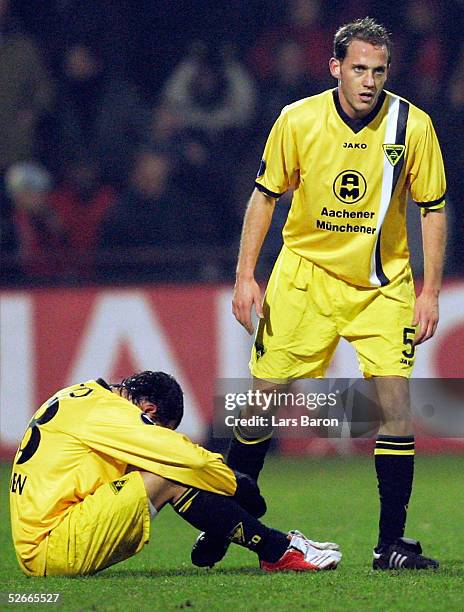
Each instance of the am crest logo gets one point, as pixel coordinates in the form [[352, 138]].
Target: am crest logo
[[350, 186]]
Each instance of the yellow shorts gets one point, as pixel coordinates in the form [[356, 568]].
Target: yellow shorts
[[105, 528], [307, 310]]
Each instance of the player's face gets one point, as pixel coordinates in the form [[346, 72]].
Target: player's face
[[361, 77]]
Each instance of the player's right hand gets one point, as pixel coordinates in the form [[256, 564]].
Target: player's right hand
[[246, 294], [249, 496]]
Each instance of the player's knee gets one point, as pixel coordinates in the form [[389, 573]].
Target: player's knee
[[396, 427], [160, 490]]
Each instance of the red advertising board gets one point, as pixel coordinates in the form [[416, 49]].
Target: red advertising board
[[55, 337]]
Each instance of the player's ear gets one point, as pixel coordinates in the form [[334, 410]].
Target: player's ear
[[148, 407], [334, 67]]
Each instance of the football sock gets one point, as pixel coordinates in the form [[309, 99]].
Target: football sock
[[394, 464], [247, 455], [221, 517]]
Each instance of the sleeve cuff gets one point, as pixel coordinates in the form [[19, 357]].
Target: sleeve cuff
[[433, 204], [266, 191], [425, 210]]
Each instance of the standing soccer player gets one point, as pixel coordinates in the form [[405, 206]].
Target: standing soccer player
[[352, 155]]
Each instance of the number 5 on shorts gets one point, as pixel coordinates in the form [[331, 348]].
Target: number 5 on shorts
[[408, 340]]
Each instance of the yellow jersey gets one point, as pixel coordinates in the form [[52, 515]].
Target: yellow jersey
[[81, 438], [351, 180]]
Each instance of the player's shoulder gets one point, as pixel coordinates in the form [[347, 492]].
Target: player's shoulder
[[416, 115], [307, 108], [87, 398], [86, 388]]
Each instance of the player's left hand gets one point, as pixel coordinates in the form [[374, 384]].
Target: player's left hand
[[425, 316]]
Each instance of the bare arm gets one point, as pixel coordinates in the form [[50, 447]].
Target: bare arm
[[434, 244], [256, 224]]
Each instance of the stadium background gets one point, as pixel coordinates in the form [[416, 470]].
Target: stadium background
[[119, 234], [89, 286]]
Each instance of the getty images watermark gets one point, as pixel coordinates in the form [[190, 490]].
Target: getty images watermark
[[332, 408], [262, 403], [288, 411]]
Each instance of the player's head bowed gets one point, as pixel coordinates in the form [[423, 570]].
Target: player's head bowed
[[160, 389], [366, 30]]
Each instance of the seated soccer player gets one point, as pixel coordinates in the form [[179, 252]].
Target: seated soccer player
[[98, 460]]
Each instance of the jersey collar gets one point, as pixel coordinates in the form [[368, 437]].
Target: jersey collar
[[103, 383], [356, 125]]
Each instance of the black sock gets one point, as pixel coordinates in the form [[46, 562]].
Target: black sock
[[246, 455], [394, 464], [221, 517]]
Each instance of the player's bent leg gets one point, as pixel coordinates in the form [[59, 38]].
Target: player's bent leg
[[107, 527], [222, 518], [160, 491], [207, 549], [247, 452]]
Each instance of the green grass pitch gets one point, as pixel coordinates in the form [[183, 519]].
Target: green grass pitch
[[333, 499]]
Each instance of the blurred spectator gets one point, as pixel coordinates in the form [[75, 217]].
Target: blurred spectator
[[153, 213], [208, 119], [287, 82], [97, 111], [211, 91], [418, 65], [7, 228], [165, 128], [305, 24], [190, 155], [194, 161], [80, 203], [40, 236], [25, 91], [214, 97], [149, 212], [450, 126]]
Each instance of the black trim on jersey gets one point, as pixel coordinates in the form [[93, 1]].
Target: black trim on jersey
[[400, 139], [433, 203], [268, 191], [356, 125], [103, 383], [403, 114], [384, 280]]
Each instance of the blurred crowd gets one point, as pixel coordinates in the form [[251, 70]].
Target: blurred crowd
[[130, 133]]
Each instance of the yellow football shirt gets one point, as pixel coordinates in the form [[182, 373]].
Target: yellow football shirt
[[81, 438], [351, 180]]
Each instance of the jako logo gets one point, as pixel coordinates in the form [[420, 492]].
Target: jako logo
[[354, 145], [350, 186]]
